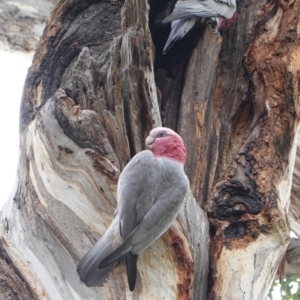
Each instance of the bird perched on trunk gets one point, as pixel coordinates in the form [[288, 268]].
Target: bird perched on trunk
[[151, 190], [186, 12]]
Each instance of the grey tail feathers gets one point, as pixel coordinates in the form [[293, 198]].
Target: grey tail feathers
[[131, 261], [117, 254], [95, 266], [88, 267]]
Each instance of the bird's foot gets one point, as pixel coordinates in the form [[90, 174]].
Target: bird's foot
[[213, 24]]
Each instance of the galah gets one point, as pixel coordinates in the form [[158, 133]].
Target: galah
[[151, 190], [187, 12]]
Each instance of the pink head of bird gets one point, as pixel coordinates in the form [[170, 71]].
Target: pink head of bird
[[223, 24], [164, 142]]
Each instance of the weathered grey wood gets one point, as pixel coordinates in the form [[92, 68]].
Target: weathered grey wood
[[193, 107], [12, 285], [195, 224]]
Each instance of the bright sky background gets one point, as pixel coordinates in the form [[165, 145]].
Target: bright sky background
[[13, 70]]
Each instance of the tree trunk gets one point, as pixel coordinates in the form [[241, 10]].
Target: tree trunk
[[93, 93]]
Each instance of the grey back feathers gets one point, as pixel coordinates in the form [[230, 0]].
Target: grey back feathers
[[150, 194], [185, 9]]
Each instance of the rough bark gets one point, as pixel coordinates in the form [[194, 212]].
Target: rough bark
[[93, 93], [261, 165], [239, 115]]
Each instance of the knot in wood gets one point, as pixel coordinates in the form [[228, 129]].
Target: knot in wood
[[235, 199]]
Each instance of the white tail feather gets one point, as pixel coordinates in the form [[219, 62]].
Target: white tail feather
[[179, 29]]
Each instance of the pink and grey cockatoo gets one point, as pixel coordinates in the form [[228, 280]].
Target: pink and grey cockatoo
[[151, 190], [187, 12]]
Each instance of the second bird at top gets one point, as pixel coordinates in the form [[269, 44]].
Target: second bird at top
[[186, 12]]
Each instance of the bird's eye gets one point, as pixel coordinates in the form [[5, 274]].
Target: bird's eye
[[161, 134]]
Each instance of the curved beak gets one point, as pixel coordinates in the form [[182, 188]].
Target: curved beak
[[149, 141]]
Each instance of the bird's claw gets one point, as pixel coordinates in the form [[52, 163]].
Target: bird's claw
[[216, 30], [213, 25]]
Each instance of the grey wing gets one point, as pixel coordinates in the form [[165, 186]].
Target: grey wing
[[202, 9], [161, 215], [135, 197], [170, 185], [185, 9], [231, 3], [135, 191]]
